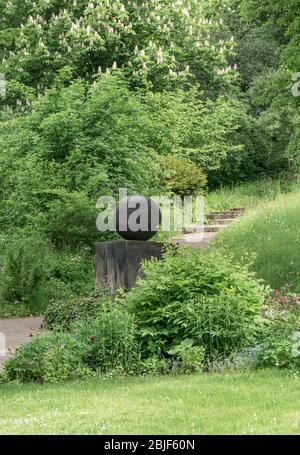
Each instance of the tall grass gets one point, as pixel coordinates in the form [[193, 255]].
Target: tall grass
[[248, 195], [270, 236]]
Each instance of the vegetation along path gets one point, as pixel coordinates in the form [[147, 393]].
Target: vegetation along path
[[19, 331]]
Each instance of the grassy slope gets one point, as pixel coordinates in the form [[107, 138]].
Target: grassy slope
[[272, 233], [260, 402], [248, 195]]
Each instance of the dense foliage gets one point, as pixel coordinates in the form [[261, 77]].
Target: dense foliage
[[157, 43], [181, 177], [187, 311], [96, 93], [55, 357], [105, 344], [197, 296], [62, 314], [160, 97], [279, 341]]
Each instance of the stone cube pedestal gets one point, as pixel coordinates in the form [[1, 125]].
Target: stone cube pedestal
[[118, 263]]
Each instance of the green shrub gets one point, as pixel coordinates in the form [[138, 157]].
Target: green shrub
[[106, 344], [25, 274], [155, 366], [111, 343], [195, 295], [65, 312], [279, 341], [191, 357], [53, 357], [72, 273], [33, 273], [182, 177], [69, 218], [280, 346]]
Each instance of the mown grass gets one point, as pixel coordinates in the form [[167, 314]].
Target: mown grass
[[249, 402], [270, 236]]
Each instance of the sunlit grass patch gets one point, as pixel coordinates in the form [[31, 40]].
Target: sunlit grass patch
[[270, 236], [248, 402]]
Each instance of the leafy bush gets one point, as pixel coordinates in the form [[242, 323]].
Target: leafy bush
[[111, 343], [25, 274], [65, 312], [69, 218], [54, 357], [72, 273], [155, 366], [279, 341], [195, 295], [33, 273], [105, 345], [182, 177], [191, 357]]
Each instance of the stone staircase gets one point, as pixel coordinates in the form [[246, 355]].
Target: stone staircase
[[202, 236]]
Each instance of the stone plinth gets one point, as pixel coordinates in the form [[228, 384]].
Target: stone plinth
[[118, 263]]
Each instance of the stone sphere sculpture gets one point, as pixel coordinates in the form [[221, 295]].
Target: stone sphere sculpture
[[138, 218]]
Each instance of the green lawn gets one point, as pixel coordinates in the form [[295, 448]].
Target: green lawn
[[258, 402]]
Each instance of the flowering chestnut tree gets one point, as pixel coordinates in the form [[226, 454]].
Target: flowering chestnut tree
[[157, 43]]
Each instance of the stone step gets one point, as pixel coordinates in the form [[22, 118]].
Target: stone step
[[196, 245], [203, 229], [221, 220], [232, 211], [202, 236], [214, 227], [194, 237], [224, 215]]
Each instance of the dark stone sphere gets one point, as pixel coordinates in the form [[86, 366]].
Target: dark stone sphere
[[137, 218]]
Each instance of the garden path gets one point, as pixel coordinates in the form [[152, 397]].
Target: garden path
[[14, 332], [202, 236]]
